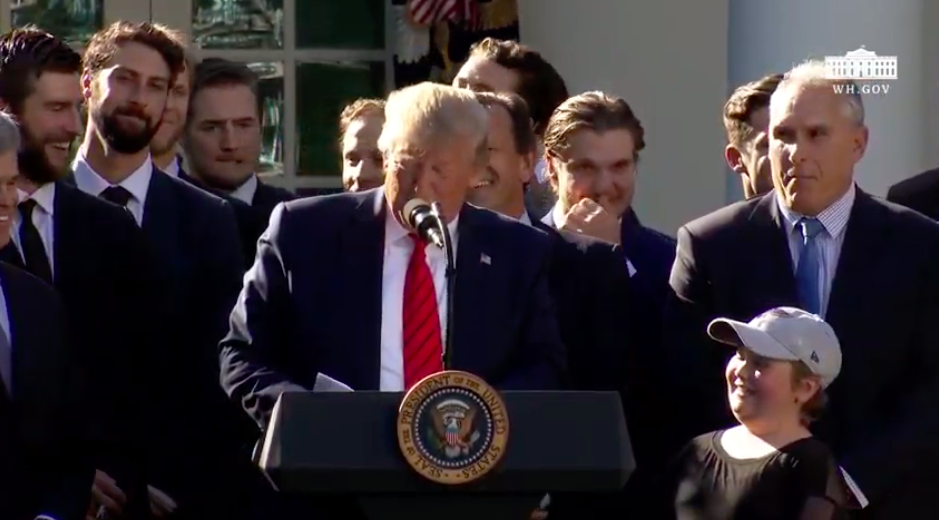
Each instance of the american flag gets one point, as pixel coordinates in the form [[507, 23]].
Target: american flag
[[429, 12], [453, 436]]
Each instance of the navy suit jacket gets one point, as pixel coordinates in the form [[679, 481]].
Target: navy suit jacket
[[198, 255], [312, 303], [45, 465]]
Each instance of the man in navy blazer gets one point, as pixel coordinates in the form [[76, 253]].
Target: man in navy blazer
[[325, 295]]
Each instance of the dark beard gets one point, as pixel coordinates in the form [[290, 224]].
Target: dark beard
[[121, 140], [33, 163]]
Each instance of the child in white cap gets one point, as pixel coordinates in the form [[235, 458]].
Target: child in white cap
[[769, 466]]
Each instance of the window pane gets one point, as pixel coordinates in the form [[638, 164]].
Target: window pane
[[323, 89], [75, 21], [345, 24], [238, 24], [271, 100]]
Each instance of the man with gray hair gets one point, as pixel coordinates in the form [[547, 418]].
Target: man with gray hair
[[820, 243], [346, 273], [42, 428]]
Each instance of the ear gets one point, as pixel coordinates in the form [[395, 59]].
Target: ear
[[86, 84], [551, 166], [529, 161], [860, 143], [807, 387], [734, 158]]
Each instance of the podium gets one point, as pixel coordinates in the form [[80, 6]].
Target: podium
[[347, 444]]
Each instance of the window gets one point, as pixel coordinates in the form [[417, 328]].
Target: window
[[313, 57]]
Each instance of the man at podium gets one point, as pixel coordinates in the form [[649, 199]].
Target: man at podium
[[342, 287]]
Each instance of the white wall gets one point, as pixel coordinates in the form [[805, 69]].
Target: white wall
[[676, 61], [769, 35], [668, 59]]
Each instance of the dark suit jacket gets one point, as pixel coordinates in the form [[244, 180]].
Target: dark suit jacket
[[593, 291], [251, 218], [44, 462], [920, 192], [102, 272], [312, 303], [199, 434], [884, 306]]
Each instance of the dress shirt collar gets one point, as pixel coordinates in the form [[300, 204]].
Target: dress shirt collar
[[44, 197], [834, 218], [246, 191], [172, 169], [89, 181], [525, 219]]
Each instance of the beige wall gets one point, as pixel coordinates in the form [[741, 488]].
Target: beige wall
[[676, 60]]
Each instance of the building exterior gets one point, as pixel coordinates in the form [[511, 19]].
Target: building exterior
[[675, 61], [862, 64]]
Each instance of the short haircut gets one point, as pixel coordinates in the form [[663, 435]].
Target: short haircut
[[106, 42], [514, 105], [25, 55], [539, 83], [816, 73], [9, 134], [359, 108], [218, 72], [596, 111], [745, 101], [428, 114]]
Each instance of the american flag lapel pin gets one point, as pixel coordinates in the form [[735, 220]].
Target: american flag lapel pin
[[484, 259]]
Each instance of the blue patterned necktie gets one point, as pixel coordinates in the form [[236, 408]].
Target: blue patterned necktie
[[807, 272]]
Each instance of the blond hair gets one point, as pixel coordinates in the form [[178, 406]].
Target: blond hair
[[428, 115]]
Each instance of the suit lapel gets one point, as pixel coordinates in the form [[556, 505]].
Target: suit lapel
[[160, 216], [858, 262], [64, 233], [362, 246], [27, 348], [771, 262], [470, 287]]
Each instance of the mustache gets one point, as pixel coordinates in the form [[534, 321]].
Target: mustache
[[132, 112]]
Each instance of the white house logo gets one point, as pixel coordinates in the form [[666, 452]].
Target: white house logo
[[864, 67]]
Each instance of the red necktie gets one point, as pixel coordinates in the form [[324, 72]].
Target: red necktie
[[423, 347]]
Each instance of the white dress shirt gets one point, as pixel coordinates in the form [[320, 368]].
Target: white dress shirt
[[42, 220], [137, 183], [834, 220], [397, 256], [172, 169], [246, 191]]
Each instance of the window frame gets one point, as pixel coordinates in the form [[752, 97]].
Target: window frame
[[177, 14]]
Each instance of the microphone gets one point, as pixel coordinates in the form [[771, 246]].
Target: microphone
[[421, 217]]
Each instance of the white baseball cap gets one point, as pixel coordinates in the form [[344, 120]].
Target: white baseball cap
[[785, 334]]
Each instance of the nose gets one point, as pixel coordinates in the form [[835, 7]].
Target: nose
[[228, 138], [603, 183], [72, 124]]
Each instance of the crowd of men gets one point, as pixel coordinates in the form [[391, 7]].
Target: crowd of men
[[152, 316]]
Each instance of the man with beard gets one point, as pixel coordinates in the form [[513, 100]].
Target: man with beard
[[195, 444], [165, 151], [88, 249], [223, 140], [44, 464]]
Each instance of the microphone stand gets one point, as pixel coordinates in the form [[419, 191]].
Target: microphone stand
[[451, 285]]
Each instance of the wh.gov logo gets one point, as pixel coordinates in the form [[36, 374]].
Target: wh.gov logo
[[870, 71]]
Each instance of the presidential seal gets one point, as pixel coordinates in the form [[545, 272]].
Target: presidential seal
[[452, 427]]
